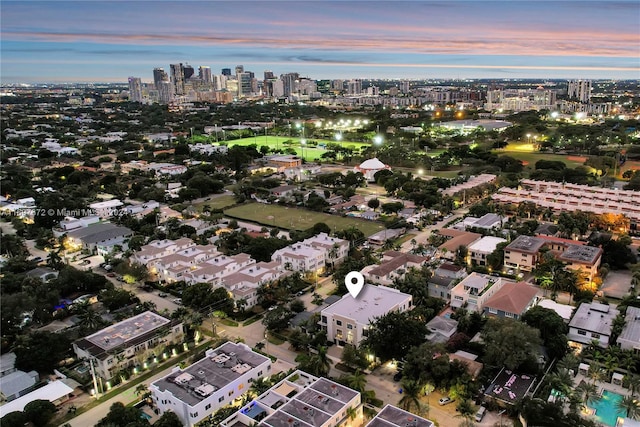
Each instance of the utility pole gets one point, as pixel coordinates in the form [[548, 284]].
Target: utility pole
[[93, 375]]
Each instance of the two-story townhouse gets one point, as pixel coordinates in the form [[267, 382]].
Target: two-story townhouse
[[444, 278], [474, 290], [480, 250], [512, 300], [523, 253], [394, 266], [592, 322], [302, 258]]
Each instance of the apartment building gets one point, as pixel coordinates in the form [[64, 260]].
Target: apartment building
[[523, 253], [478, 251], [122, 344], [302, 258], [347, 321], [220, 378], [474, 291], [301, 400], [563, 197]]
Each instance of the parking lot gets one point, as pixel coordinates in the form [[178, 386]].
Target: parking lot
[[88, 263]]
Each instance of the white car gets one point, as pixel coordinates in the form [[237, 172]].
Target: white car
[[445, 401]]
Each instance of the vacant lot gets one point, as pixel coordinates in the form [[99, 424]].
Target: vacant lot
[[298, 219]]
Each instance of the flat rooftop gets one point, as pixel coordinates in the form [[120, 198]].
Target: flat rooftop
[[486, 244], [219, 368], [581, 254], [631, 330], [373, 301], [528, 244], [594, 317], [127, 330], [509, 386], [392, 416]]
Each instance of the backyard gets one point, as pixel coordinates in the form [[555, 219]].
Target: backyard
[[298, 219]]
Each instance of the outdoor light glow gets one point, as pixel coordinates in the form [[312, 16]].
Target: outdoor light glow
[[338, 136]]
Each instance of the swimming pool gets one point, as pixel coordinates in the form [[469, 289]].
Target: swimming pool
[[146, 416], [606, 408]]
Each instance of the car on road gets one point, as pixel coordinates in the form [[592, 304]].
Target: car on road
[[300, 293], [397, 376], [111, 274], [36, 259], [85, 262], [177, 301], [162, 295], [445, 401]]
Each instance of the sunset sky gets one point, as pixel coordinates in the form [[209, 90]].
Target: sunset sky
[[55, 41]]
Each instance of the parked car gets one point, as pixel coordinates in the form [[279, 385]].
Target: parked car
[[162, 295], [397, 376], [36, 259], [111, 274], [480, 414], [85, 262], [445, 401], [300, 293], [177, 301]]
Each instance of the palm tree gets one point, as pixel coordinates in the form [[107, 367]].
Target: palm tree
[[596, 374], [357, 381], [319, 363], [88, 318], [568, 362], [633, 383], [410, 395], [562, 381], [631, 406], [142, 391], [587, 392], [333, 254], [259, 386]]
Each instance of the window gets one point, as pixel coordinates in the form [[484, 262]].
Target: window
[[581, 332], [230, 392], [594, 335], [221, 399], [339, 322], [507, 314], [207, 407], [259, 373], [349, 326], [365, 332], [324, 319], [493, 310]]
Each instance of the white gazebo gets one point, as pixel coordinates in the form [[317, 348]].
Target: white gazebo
[[369, 168]]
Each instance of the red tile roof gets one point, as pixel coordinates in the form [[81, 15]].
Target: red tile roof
[[512, 297]]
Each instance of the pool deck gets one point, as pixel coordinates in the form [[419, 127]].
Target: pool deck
[[602, 385]]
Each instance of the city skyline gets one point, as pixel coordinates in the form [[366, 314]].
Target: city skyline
[[109, 41]]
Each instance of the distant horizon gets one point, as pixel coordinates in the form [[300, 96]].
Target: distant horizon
[[101, 41]]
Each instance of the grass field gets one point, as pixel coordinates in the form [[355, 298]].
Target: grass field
[[216, 203], [298, 219], [277, 142], [526, 153]]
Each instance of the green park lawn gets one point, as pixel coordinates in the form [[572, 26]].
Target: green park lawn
[[524, 152], [277, 142], [220, 202], [298, 219]]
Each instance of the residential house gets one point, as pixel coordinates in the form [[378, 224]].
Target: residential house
[[474, 290], [243, 285], [107, 209], [441, 329], [563, 310], [444, 278], [347, 321], [128, 342], [592, 322], [222, 376], [335, 249], [301, 257], [394, 266], [56, 392], [283, 190], [488, 221], [301, 400], [43, 273], [99, 238], [512, 300], [456, 240], [629, 339], [479, 250], [16, 384], [382, 236]]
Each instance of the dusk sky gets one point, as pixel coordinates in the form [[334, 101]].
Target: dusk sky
[[55, 41]]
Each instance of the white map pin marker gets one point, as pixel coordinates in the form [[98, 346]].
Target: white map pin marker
[[354, 282]]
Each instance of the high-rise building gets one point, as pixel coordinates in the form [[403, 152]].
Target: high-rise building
[[337, 85], [135, 89], [205, 74], [239, 69], [226, 71], [404, 86], [188, 71], [159, 75], [245, 83], [324, 86], [177, 78], [354, 87], [165, 91], [268, 75], [289, 83], [219, 82], [580, 90]]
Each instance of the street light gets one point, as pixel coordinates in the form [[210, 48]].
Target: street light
[[303, 142], [529, 138]]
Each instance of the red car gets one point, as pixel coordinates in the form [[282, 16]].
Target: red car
[[111, 274]]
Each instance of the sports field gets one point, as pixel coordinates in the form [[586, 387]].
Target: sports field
[[219, 202], [298, 219], [529, 156], [309, 153]]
